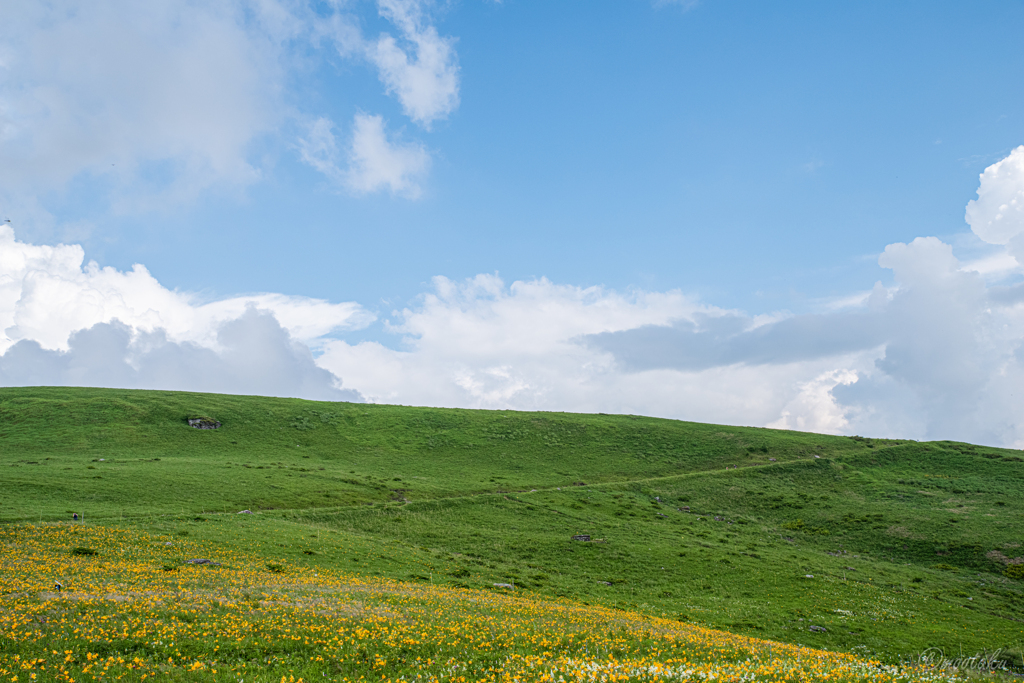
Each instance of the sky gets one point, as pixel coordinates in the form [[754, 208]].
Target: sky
[[800, 215]]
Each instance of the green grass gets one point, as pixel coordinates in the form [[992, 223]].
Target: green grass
[[716, 525]]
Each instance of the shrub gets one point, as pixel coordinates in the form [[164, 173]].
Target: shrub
[[276, 568], [83, 551], [1014, 571]]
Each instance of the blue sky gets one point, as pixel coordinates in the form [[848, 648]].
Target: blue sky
[[715, 173]]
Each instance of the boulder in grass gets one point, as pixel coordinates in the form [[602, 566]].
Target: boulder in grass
[[203, 423]]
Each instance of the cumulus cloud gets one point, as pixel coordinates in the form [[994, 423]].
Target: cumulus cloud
[[529, 345], [48, 292], [67, 322], [997, 215], [423, 75], [949, 345], [255, 355], [814, 408]]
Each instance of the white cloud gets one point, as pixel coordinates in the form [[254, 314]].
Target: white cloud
[[49, 299], [426, 83], [814, 409], [319, 149], [46, 293], [997, 265], [997, 215], [376, 163], [483, 344], [161, 99], [254, 355], [155, 103]]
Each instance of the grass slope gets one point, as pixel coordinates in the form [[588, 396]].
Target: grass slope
[[907, 542]]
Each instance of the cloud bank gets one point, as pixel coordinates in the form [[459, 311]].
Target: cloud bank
[[255, 355], [937, 355], [69, 323]]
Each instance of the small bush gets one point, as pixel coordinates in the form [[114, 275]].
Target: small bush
[[276, 568], [168, 567], [83, 551], [1014, 571]]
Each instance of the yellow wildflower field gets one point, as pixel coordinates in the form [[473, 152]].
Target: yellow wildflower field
[[84, 603]]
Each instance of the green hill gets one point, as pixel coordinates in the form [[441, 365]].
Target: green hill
[[886, 548]]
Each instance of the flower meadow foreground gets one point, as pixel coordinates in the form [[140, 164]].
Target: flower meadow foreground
[[92, 603]]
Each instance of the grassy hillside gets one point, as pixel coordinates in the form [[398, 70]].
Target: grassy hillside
[[130, 610], [886, 548]]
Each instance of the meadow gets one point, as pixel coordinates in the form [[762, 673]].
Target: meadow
[[130, 606], [874, 550]]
